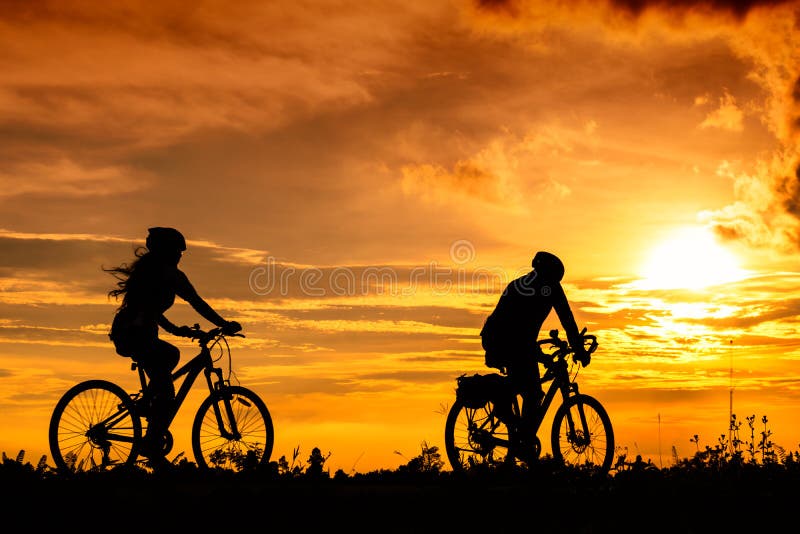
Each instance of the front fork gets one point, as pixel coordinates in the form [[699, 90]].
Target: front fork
[[577, 428], [220, 388]]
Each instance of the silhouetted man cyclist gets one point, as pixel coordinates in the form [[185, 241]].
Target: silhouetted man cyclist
[[149, 286], [510, 332]]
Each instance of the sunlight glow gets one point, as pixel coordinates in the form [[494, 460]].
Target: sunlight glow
[[689, 259]]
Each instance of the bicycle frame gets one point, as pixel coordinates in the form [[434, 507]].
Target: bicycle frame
[[190, 371], [557, 375], [559, 381]]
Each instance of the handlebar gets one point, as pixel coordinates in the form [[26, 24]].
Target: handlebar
[[204, 337], [563, 347]]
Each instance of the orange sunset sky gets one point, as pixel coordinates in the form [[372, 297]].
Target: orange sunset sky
[[358, 180]]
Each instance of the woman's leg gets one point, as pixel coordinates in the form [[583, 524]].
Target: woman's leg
[[158, 361]]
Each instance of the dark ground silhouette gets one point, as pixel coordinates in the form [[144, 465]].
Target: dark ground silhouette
[[691, 498]]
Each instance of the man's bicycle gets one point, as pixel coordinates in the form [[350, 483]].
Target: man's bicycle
[[97, 425], [483, 427]]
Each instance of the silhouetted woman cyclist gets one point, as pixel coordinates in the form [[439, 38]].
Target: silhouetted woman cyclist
[[148, 287]]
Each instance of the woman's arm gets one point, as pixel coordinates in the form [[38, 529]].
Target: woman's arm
[[167, 325], [187, 292]]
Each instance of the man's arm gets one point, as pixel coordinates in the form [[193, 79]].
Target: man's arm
[[567, 319]]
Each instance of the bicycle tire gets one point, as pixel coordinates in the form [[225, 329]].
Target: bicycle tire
[[475, 438], [77, 443], [598, 451], [254, 422]]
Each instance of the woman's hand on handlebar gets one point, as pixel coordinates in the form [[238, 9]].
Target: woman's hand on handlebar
[[231, 327], [187, 331]]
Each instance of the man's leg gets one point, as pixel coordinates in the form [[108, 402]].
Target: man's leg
[[525, 377]]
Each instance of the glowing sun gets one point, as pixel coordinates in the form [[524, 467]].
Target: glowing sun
[[689, 259]]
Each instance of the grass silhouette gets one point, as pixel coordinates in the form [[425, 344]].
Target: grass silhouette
[[742, 483]]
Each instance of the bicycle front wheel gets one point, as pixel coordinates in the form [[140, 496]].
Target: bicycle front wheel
[[215, 441], [93, 428], [582, 434], [475, 438]]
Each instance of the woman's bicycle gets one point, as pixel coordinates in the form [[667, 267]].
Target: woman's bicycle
[[97, 425], [483, 427]]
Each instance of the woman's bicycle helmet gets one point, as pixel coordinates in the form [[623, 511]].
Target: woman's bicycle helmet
[[161, 239]]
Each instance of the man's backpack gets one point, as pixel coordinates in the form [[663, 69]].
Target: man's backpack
[[492, 342]]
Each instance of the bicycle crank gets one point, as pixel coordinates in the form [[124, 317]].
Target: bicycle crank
[[167, 442], [481, 441]]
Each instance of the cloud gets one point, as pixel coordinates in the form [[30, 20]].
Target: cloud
[[507, 172], [767, 212], [433, 181], [762, 33], [148, 75], [64, 177], [740, 8], [60, 267], [727, 117], [635, 8]]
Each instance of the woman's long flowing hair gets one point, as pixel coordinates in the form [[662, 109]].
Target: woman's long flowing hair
[[123, 274]]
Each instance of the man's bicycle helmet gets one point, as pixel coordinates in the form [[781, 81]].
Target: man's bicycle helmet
[[548, 266], [161, 239]]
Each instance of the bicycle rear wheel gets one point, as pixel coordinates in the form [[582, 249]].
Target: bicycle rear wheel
[[93, 428], [216, 447], [582, 434], [475, 438]]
